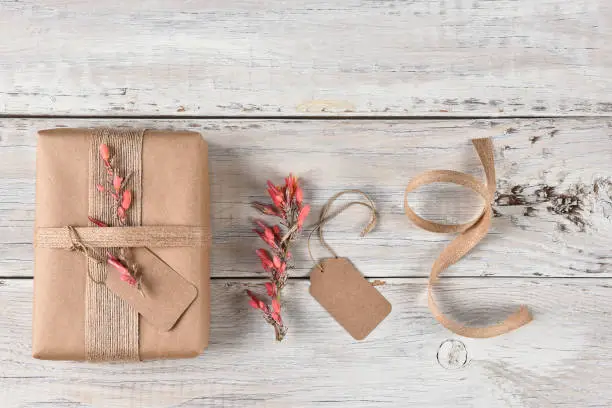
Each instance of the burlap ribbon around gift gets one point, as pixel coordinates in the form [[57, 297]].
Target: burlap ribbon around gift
[[157, 236], [471, 233]]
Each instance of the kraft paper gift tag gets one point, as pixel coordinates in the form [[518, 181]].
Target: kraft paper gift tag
[[348, 296], [165, 294], [340, 288]]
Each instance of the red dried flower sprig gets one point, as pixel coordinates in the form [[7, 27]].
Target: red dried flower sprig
[[287, 204], [121, 196], [129, 274]]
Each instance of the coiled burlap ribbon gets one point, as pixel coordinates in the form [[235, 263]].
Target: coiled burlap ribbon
[[471, 233]]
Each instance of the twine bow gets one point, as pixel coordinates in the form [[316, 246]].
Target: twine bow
[[471, 233], [77, 245]]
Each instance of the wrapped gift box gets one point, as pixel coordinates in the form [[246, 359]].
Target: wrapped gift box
[[75, 316]]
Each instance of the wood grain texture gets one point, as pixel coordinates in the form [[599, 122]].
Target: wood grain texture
[[554, 202], [314, 57], [558, 360]]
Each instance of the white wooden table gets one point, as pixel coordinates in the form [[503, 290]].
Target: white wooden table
[[347, 94]]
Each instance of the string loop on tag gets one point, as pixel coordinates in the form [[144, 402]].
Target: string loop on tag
[[325, 216], [471, 233]]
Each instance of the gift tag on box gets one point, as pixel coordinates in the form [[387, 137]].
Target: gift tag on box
[[343, 291], [166, 294]]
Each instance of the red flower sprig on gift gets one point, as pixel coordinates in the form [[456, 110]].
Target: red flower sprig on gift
[[122, 199], [116, 188], [123, 263], [287, 204]]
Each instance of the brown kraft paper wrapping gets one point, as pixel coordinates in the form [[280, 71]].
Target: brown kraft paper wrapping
[[175, 192]]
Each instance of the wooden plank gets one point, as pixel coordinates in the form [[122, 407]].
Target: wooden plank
[[315, 57], [562, 358], [536, 233]]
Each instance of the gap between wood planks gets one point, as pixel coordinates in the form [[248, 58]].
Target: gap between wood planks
[[303, 117], [378, 279]]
